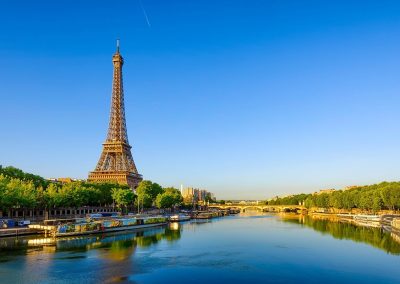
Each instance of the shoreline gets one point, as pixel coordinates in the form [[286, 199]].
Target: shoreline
[[387, 222]]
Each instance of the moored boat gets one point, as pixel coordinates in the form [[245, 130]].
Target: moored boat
[[345, 216], [104, 225], [370, 218], [204, 215], [179, 218], [234, 211]]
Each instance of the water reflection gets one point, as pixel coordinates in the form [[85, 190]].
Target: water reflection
[[113, 253], [247, 248], [375, 237], [116, 246]]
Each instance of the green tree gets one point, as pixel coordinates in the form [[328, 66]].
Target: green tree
[[122, 197], [156, 189], [146, 192], [5, 201], [19, 174], [103, 191], [335, 200], [169, 198], [165, 200], [377, 203], [50, 196]]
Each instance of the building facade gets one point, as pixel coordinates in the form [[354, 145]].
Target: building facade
[[195, 195]]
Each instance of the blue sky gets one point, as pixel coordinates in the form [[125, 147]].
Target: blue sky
[[248, 99]]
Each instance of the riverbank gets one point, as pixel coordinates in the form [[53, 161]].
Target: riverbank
[[77, 225], [16, 232], [387, 222]]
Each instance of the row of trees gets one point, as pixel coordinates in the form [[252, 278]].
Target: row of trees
[[289, 200], [19, 190], [16, 193], [385, 195], [19, 174]]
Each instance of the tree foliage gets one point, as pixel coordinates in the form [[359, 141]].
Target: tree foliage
[[28, 191], [289, 200], [147, 192], [375, 197], [12, 172], [122, 197], [15, 193], [169, 198]]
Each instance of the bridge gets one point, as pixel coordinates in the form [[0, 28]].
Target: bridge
[[264, 208]]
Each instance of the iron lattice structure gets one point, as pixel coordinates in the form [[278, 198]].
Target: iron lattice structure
[[116, 161]]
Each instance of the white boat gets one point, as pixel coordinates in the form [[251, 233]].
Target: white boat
[[345, 216], [179, 218], [371, 218]]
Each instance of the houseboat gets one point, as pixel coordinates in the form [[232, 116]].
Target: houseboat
[[102, 225]]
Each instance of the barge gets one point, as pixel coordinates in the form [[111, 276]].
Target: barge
[[102, 225], [179, 218]]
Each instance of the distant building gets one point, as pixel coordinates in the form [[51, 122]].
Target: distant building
[[190, 195], [203, 195], [351, 187], [328, 191], [195, 195], [212, 196], [273, 198], [63, 180], [286, 196]]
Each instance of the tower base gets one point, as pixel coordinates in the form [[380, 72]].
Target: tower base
[[130, 179]]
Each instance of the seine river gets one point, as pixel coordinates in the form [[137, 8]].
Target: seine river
[[236, 249]]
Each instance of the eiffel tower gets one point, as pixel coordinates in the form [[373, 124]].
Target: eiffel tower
[[116, 162]]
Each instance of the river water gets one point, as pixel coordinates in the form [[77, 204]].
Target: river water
[[236, 249]]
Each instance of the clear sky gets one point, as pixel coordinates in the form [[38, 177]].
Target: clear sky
[[246, 98]]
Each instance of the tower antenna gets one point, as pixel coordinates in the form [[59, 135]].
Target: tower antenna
[[117, 44]]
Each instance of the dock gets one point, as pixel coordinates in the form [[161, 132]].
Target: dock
[[15, 232]]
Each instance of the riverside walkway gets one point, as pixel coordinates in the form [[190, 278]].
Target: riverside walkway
[[15, 232]]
